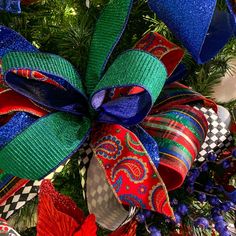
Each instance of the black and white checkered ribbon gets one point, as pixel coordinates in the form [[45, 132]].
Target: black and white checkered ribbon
[[218, 136], [25, 194]]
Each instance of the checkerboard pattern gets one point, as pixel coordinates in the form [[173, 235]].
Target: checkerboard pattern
[[218, 136], [101, 200], [16, 201], [85, 156], [24, 195]]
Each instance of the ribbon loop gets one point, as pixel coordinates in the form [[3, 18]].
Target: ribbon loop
[[179, 132], [10, 101], [33, 154], [46, 79], [133, 68], [11, 41], [12, 6], [197, 24], [167, 52], [108, 31]]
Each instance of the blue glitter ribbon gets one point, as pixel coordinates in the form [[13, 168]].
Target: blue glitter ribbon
[[12, 6], [201, 28]]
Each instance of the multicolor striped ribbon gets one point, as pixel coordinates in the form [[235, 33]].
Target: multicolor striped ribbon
[[179, 132]]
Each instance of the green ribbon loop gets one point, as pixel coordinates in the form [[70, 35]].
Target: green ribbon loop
[[134, 68], [108, 31], [44, 145], [45, 63]]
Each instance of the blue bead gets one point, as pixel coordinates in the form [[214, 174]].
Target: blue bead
[[201, 222], [225, 233], [201, 197], [221, 226], [154, 231], [226, 164], [140, 217], [216, 211], [174, 202], [209, 186], [212, 156], [195, 172], [217, 217], [147, 214], [214, 201], [178, 218], [182, 209], [204, 167], [234, 152], [224, 207]]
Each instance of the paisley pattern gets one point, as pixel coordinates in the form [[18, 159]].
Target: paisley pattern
[[169, 53], [133, 145], [157, 200], [132, 200], [117, 184], [109, 147], [135, 169], [131, 175], [142, 189], [35, 75]]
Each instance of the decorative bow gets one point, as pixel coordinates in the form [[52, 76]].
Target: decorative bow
[[199, 26], [115, 101]]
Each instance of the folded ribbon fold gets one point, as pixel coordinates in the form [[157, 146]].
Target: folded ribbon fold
[[201, 28]]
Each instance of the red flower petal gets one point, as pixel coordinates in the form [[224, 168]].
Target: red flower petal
[[89, 227]]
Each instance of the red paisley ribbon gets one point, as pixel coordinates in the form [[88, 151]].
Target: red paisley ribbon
[[167, 52], [128, 168]]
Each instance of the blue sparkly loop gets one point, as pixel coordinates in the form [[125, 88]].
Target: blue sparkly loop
[[201, 28], [12, 6]]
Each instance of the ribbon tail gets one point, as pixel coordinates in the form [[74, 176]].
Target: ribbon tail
[[129, 169]]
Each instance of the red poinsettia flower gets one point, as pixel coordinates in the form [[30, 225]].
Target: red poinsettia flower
[[59, 215]]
